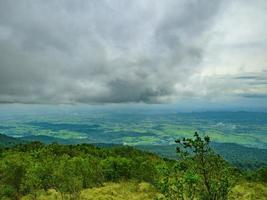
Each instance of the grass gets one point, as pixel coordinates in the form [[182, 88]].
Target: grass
[[109, 191], [249, 191], [144, 191], [121, 191]]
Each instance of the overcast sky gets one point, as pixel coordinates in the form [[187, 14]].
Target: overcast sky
[[122, 51]]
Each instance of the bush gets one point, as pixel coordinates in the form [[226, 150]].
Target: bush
[[199, 172]]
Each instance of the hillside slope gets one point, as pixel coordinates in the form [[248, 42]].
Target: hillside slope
[[145, 191], [122, 172], [6, 141], [238, 155], [249, 191], [109, 191]]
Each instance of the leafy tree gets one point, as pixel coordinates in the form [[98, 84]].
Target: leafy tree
[[259, 175], [65, 178], [12, 173], [147, 171], [115, 168], [262, 174], [33, 180], [199, 173]]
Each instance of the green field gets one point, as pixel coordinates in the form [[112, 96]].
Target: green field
[[140, 128]]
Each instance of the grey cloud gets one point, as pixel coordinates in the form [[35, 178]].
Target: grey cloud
[[102, 51], [245, 85], [256, 79], [249, 77], [253, 77], [257, 96]]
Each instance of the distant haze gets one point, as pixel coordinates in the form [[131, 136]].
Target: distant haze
[[180, 52]]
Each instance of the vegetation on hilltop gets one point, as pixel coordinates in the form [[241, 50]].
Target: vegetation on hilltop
[[200, 173], [37, 171], [126, 190], [30, 168]]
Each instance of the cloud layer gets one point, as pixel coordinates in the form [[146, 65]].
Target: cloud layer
[[104, 51]]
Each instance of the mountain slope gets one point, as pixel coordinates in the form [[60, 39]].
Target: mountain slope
[[145, 191], [6, 141], [238, 155], [117, 191]]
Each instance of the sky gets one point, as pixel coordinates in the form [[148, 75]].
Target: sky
[[181, 52]]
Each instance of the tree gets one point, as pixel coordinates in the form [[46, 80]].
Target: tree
[[116, 168], [12, 173], [199, 172], [66, 181]]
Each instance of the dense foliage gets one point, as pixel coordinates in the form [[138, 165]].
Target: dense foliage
[[199, 173], [26, 169]]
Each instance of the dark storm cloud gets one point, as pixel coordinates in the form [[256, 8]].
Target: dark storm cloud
[[253, 77], [257, 96], [253, 80], [249, 77], [102, 51]]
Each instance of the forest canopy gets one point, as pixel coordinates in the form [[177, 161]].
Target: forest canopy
[[27, 169]]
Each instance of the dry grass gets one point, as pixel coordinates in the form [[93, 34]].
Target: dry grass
[[121, 191], [109, 191], [144, 191], [249, 191]]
